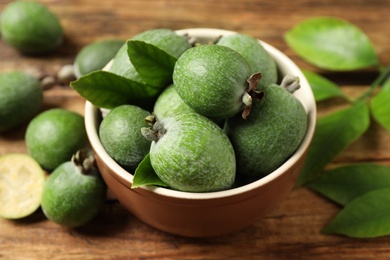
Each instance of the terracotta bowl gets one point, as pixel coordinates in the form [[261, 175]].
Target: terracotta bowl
[[212, 213]]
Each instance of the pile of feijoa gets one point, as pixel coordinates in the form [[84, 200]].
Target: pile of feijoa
[[207, 116]]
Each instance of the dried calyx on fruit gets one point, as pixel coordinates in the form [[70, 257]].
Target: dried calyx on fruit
[[251, 94]]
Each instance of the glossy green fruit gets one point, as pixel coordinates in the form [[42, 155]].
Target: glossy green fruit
[[270, 134], [212, 80], [54, 136], [169, 102], [120, 134], [20, 99], [96, 55], [191, 153], [30, 27], [74, 193], [257, 57]]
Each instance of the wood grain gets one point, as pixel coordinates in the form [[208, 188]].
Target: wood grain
[[290, 232]]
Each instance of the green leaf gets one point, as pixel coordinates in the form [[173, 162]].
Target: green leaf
[[145, 175], [380, 106], [108, 90], [365, 217], [334, 133], [346, 183], [154, 65], [322, 87], [333, 44]]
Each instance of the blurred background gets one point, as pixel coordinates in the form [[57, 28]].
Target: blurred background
[[85, 21], [293, 230]]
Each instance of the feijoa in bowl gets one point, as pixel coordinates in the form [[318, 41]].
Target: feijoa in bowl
[[209, 213]]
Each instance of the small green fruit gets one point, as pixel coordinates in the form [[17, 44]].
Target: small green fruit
[[257, 57], [96, 55], [30, 27], [54, 136], [270, 134], [120, 134], [191, 153], [213, 80], [74, 193], [169, 102], [20, 99]]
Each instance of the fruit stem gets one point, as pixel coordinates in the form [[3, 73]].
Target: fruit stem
[[84, 161], [290, 83]]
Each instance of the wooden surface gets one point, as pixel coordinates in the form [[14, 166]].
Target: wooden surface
[[290, 232]]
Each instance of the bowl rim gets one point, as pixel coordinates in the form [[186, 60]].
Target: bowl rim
[[91, 124]]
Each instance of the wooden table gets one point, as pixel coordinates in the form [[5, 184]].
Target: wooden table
[[290, 232]]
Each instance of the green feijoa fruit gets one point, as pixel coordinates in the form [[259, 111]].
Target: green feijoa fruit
[[53, 136], [30, 27], [257, 57], [191, 153], [20, 99], [120, 134], [169, 102], [165, 39], [213, 80], [270, 134], [96, 55], [74, 193]]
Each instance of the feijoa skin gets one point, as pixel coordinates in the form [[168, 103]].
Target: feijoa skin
[[270, 135], [20, 99], [212, 80], [120, 134], [30, 27], [53, 136], [169, 102], [73, 194], [96, 55], [258, 58], [191, 153]]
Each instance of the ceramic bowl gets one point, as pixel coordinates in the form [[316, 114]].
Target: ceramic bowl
[[211, 213]]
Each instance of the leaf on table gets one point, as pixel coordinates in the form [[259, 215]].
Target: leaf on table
[[334, 133], [380, 106], [322, 87], [333, 44], [107, 90], [365, 217], [145, 175], [343, 184], [154, 65]]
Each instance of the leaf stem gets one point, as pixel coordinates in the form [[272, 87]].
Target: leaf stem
[[384, 74]]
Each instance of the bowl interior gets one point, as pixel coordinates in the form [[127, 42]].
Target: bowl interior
[[285, 66]]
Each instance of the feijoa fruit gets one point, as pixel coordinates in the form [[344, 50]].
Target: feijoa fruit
[[191, 153]]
